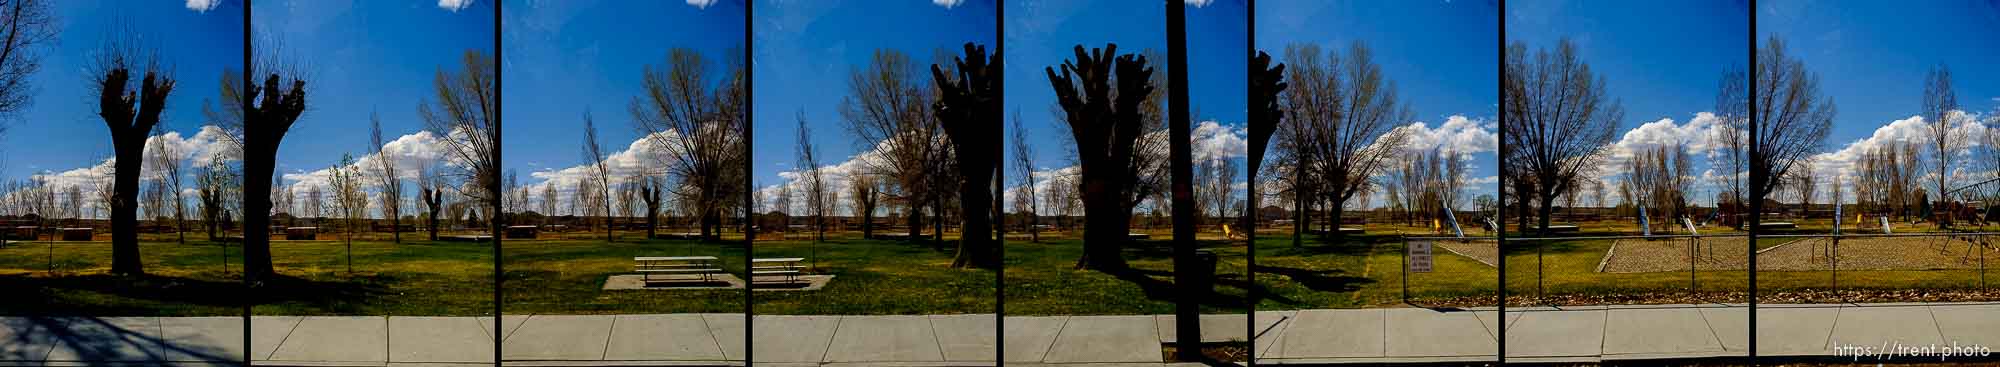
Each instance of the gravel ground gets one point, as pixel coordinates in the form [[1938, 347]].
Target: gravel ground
[[1482, 251], [1643, 256], [1639, 256], [1878, 254]]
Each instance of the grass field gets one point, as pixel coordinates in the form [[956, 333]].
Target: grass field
[[565, 273]]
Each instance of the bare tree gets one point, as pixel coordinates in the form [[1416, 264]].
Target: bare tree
[[25, 27], [1559, 122], [600, 172], [212, 182], [1805, 183], [696, 122], [1792, 118], [815, 183], [167, 159], [1732, 106], [1343, 112], [1946, 138], [130, 115], [865, 198], [386, 176], [1024, 162], [887, 110], [464, 115], [968, 110], [350, 203]]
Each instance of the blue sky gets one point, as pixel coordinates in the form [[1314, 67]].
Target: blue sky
[[1662, 60], [1872, 57], [1440, 54], [805, 52], [362, 57], [60, 135], [1042, 34], [566, 58]]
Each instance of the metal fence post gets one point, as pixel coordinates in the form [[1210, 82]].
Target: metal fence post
[[1406, 270]]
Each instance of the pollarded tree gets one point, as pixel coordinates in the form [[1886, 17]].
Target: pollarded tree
[[968, 109], [695, 120], [1558, 123], [130, 115], [1107, 125], [1267, 82], [430, 192], [1792, 118], [649, 191], [388, 180], [262, 123]]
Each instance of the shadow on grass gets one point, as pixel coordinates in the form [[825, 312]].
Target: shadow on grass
[[95, 341], [320, 294], [1319, 280], [33, 295], [1165, 291]]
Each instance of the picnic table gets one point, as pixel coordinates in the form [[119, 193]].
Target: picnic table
[[786, 266], [699, 265]]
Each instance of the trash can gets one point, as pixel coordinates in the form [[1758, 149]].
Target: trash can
[[1202, 279]]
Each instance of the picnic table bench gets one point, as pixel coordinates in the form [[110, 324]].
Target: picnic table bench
[[699, 265], [786, 266]]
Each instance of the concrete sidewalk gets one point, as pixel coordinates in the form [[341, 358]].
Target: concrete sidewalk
[[1396, 335], [1621, 333]]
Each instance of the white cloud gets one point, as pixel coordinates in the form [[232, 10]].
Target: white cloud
[[944, 3], [1458, 133], [1214, 140], [202, 5], [701, 3], [452, 5], [1199, 3], [206, 146], [1699, 134], [1841, 163]]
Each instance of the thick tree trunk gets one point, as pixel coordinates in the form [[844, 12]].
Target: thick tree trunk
[[1106, 226], [975, 243], [652, 218], [124, 214], [257, 169], [867, 222], [915, 220]]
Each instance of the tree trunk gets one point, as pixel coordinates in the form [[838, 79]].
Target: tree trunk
[[1299, 219], [652, 217], [1106, 226], [124, 214], [914, 218], [867, 222], [975, 243], [257, 169], [937, 223]]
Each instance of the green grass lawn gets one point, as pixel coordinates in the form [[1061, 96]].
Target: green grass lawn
[[181, 280], [567, 277], [1042, 279], [877, 277]]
